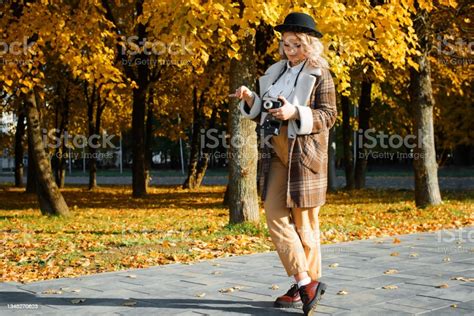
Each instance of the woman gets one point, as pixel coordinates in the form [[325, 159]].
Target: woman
[[293, 177]]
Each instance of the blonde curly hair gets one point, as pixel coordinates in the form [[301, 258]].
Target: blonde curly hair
[[312, 47]]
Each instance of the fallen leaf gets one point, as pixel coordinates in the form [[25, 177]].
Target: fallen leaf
[[78, 300], [334, 265], [394, 254], [202, 294], [413, 255], [396, 241], [216, 272], [442, 286], [446, 259], [342, 292], [460, 278], [453, 305], [52, 291], [132, 276], [227, 290], [129, 303], [391, 271], [274, 287], [390, 287]]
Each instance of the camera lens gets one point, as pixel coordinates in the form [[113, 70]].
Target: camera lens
[[267, 104]]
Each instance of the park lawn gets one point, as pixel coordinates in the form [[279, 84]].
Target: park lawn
[[110, 231]]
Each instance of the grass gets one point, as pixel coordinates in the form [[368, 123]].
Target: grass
[[108, 230]]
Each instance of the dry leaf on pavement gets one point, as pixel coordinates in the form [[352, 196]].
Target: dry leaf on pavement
[[78, 300], [129, 303], [52, 291]]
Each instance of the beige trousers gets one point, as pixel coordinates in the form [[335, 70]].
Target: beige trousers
[[294, 231]]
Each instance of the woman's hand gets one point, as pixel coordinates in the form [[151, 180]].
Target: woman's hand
[[286, 111], [244, 93]]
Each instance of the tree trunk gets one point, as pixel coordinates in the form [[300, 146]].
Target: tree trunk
[[50, 198], [346, 139], [364, 117], [19, 151], [64, 129], [190, 182], [31, 172], [138, 134], [59, 159], [332, 183], [92, 162], [421, 97], [149, 137], [243, 196], [226, 199], [206, 153], [61, 173], [139, 175]]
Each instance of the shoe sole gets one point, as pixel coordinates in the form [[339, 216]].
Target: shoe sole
[[311, 308], [288, 305]]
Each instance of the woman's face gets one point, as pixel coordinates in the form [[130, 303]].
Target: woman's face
[[292, 47]]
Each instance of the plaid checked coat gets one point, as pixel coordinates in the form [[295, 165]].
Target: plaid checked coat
[[315, 99]]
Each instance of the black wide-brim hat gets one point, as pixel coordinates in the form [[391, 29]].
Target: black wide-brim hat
[[299, 22]]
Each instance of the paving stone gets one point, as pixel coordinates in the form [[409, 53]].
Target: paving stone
[[426, 272], [372, 311], [360, 273], [16, 296], [467, 305], [401, 308], [174, 289], [434, 281], [379, 281], [456, 293], [427, 303], [334, 288], [447, 311], [470, 284], [354, 300]]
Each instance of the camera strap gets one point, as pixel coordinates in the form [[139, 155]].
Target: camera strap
[[281, 74]]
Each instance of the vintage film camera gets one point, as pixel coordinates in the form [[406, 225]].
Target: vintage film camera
[[271, 125]]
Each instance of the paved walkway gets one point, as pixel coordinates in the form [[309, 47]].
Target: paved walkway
[[434, 276], [379, 182]]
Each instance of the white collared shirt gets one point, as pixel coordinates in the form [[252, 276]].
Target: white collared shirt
[[284, 85]]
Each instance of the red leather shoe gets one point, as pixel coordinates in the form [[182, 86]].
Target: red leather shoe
[[289, 300], [310, 295]]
